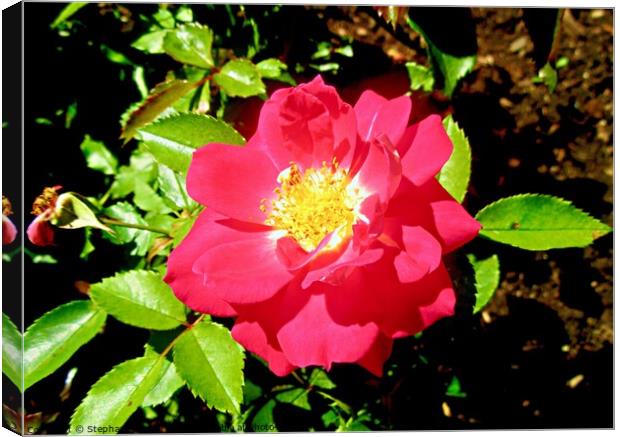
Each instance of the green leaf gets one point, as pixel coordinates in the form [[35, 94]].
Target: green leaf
[[12, 356], [147, 199], [172, 186], [547, 75], [190, 44], [295, 396], [539, 222], [127, 213], [142, 168], [263, 420], [454, 389], [452, 67], [251, 392], [116, 56], [116, 396], [164, 18], [168, 384], [161, 98], [420, 77], [172, 140], [241, 78], [319, 378], [53, 338], [486, 273], [182, 228], [139, 298], [152, 42], [271, 68], [89, 247], [185, 14], [67, 12], [211, 363], [454, 175]]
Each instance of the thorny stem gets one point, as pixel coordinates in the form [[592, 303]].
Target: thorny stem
[[111, 221]]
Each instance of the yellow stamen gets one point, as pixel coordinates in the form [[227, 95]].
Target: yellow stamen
[[44, 201], [7, 209], [310, 205]]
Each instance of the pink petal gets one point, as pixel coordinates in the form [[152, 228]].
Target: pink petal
[[337, 272], [40, 232], [424, 149], [243, 271], [232, 180], [421, 254], [381, 171], [376, 356], [9, 231], [307, 124], [313, 337], [374, 294], [431, 207], [412, 308], [208, 231], [255, 339], [376, 116]]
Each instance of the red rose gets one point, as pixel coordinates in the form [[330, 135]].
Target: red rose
[[324, 235], [9, 231]]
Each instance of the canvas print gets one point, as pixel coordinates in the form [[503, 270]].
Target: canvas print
[[276, 218]]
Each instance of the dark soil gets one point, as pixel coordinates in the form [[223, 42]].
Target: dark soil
[[538, 356]]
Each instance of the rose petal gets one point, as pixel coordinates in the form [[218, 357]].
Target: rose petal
[[232, 180], [9, 231], [307, 124], [376, 356], [431, 207], [255, 339], [40, 232], [374, 294], [421, 254], [243, 271], [312, 337], [424, 149], [376, 116], [381, 171], [337, 272], [403, 312], [207, 232]]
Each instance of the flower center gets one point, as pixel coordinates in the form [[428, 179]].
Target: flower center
[[312, 204], [45, 200], [6, 207]]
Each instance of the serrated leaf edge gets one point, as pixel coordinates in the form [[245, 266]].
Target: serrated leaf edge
[[156, 362], [98, 311], [195, 393], [548, 196], [140, 304]]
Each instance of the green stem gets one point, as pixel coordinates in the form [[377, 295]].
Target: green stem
[[105, 197], [298, 378], [115, 222], [188, 327], [341, 404]]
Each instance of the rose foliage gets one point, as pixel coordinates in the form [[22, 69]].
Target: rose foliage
[[324, 235]]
